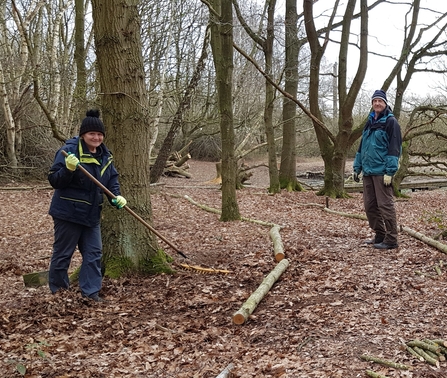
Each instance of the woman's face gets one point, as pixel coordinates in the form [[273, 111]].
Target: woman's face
[[93, 139]]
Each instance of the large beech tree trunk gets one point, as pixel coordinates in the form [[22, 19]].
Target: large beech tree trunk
[[125, 115]]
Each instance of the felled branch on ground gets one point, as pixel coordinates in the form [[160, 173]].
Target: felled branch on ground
[[176, 165], [241, 316]]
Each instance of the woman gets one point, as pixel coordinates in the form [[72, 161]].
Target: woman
[[76, 206]]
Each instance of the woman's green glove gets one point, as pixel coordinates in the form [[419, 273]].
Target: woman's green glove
[[119, 202], [71, 162]]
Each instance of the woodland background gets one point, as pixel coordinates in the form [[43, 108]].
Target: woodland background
[[221, 81]]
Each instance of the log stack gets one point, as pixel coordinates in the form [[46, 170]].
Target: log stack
[[176, 165]]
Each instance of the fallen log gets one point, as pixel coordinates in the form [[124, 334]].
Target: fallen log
[[424, 345], [217, 211], [348, 215], [226, 372], [174, 165], [176, 170], [414, 353], [384, 362], [426, 356], [434, 243], [182, 160], [241, 316], [278, 247], [440, 342], [36, 279], [373, 374]]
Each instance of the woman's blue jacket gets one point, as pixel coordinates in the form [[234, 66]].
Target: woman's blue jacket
[[77, 198]]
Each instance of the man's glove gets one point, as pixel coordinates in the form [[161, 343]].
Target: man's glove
[[356, 177], [387, 180], [71, 162], [119, 202]]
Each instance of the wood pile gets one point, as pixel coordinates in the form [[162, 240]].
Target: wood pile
[[176, 165]]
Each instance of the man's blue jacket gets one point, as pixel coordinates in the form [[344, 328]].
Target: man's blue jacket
[[380, 146]]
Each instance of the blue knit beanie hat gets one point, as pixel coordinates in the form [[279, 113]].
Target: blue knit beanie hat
[[92, 123], [380, 94]]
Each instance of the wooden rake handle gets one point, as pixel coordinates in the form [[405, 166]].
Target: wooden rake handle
[[129, 210]]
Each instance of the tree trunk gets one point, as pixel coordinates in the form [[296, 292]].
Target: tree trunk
[[222, 47], [267, 47], [185, 103], [79, 56], [128, 247], [274, 186], [404, 165], [287, 172], [334, 148]]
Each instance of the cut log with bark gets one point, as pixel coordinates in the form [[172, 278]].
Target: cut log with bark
[[432, 347], [35, 279], [348, 215], [241, 316], [434, 243], [278, 248], [373, 374], [176, 165], [384, 362], [426, 356], [180, 171], [431, 351], [225, 373]]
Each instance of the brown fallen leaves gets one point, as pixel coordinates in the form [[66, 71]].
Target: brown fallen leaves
[[337, 300]]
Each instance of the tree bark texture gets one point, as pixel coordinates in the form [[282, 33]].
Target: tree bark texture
[[225, 373], [126, 118], [222, 48], [287, 171]]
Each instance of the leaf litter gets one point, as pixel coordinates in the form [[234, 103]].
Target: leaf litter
[[338, 299]]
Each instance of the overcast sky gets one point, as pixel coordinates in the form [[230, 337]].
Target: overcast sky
[[386, 35]]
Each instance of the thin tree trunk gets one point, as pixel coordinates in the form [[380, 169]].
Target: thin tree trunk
[[241, 316], [222, 47], [287, 171], [274, 186], [185, 103], [79, 56]]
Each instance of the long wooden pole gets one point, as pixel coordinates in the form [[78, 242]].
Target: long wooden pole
[[129, 210]]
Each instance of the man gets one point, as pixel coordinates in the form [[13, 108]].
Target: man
[[378, 159]]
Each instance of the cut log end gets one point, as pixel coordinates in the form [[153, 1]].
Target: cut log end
[[279, 256], [238, 319]]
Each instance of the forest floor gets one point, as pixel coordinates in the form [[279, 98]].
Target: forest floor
[[337, 300]]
